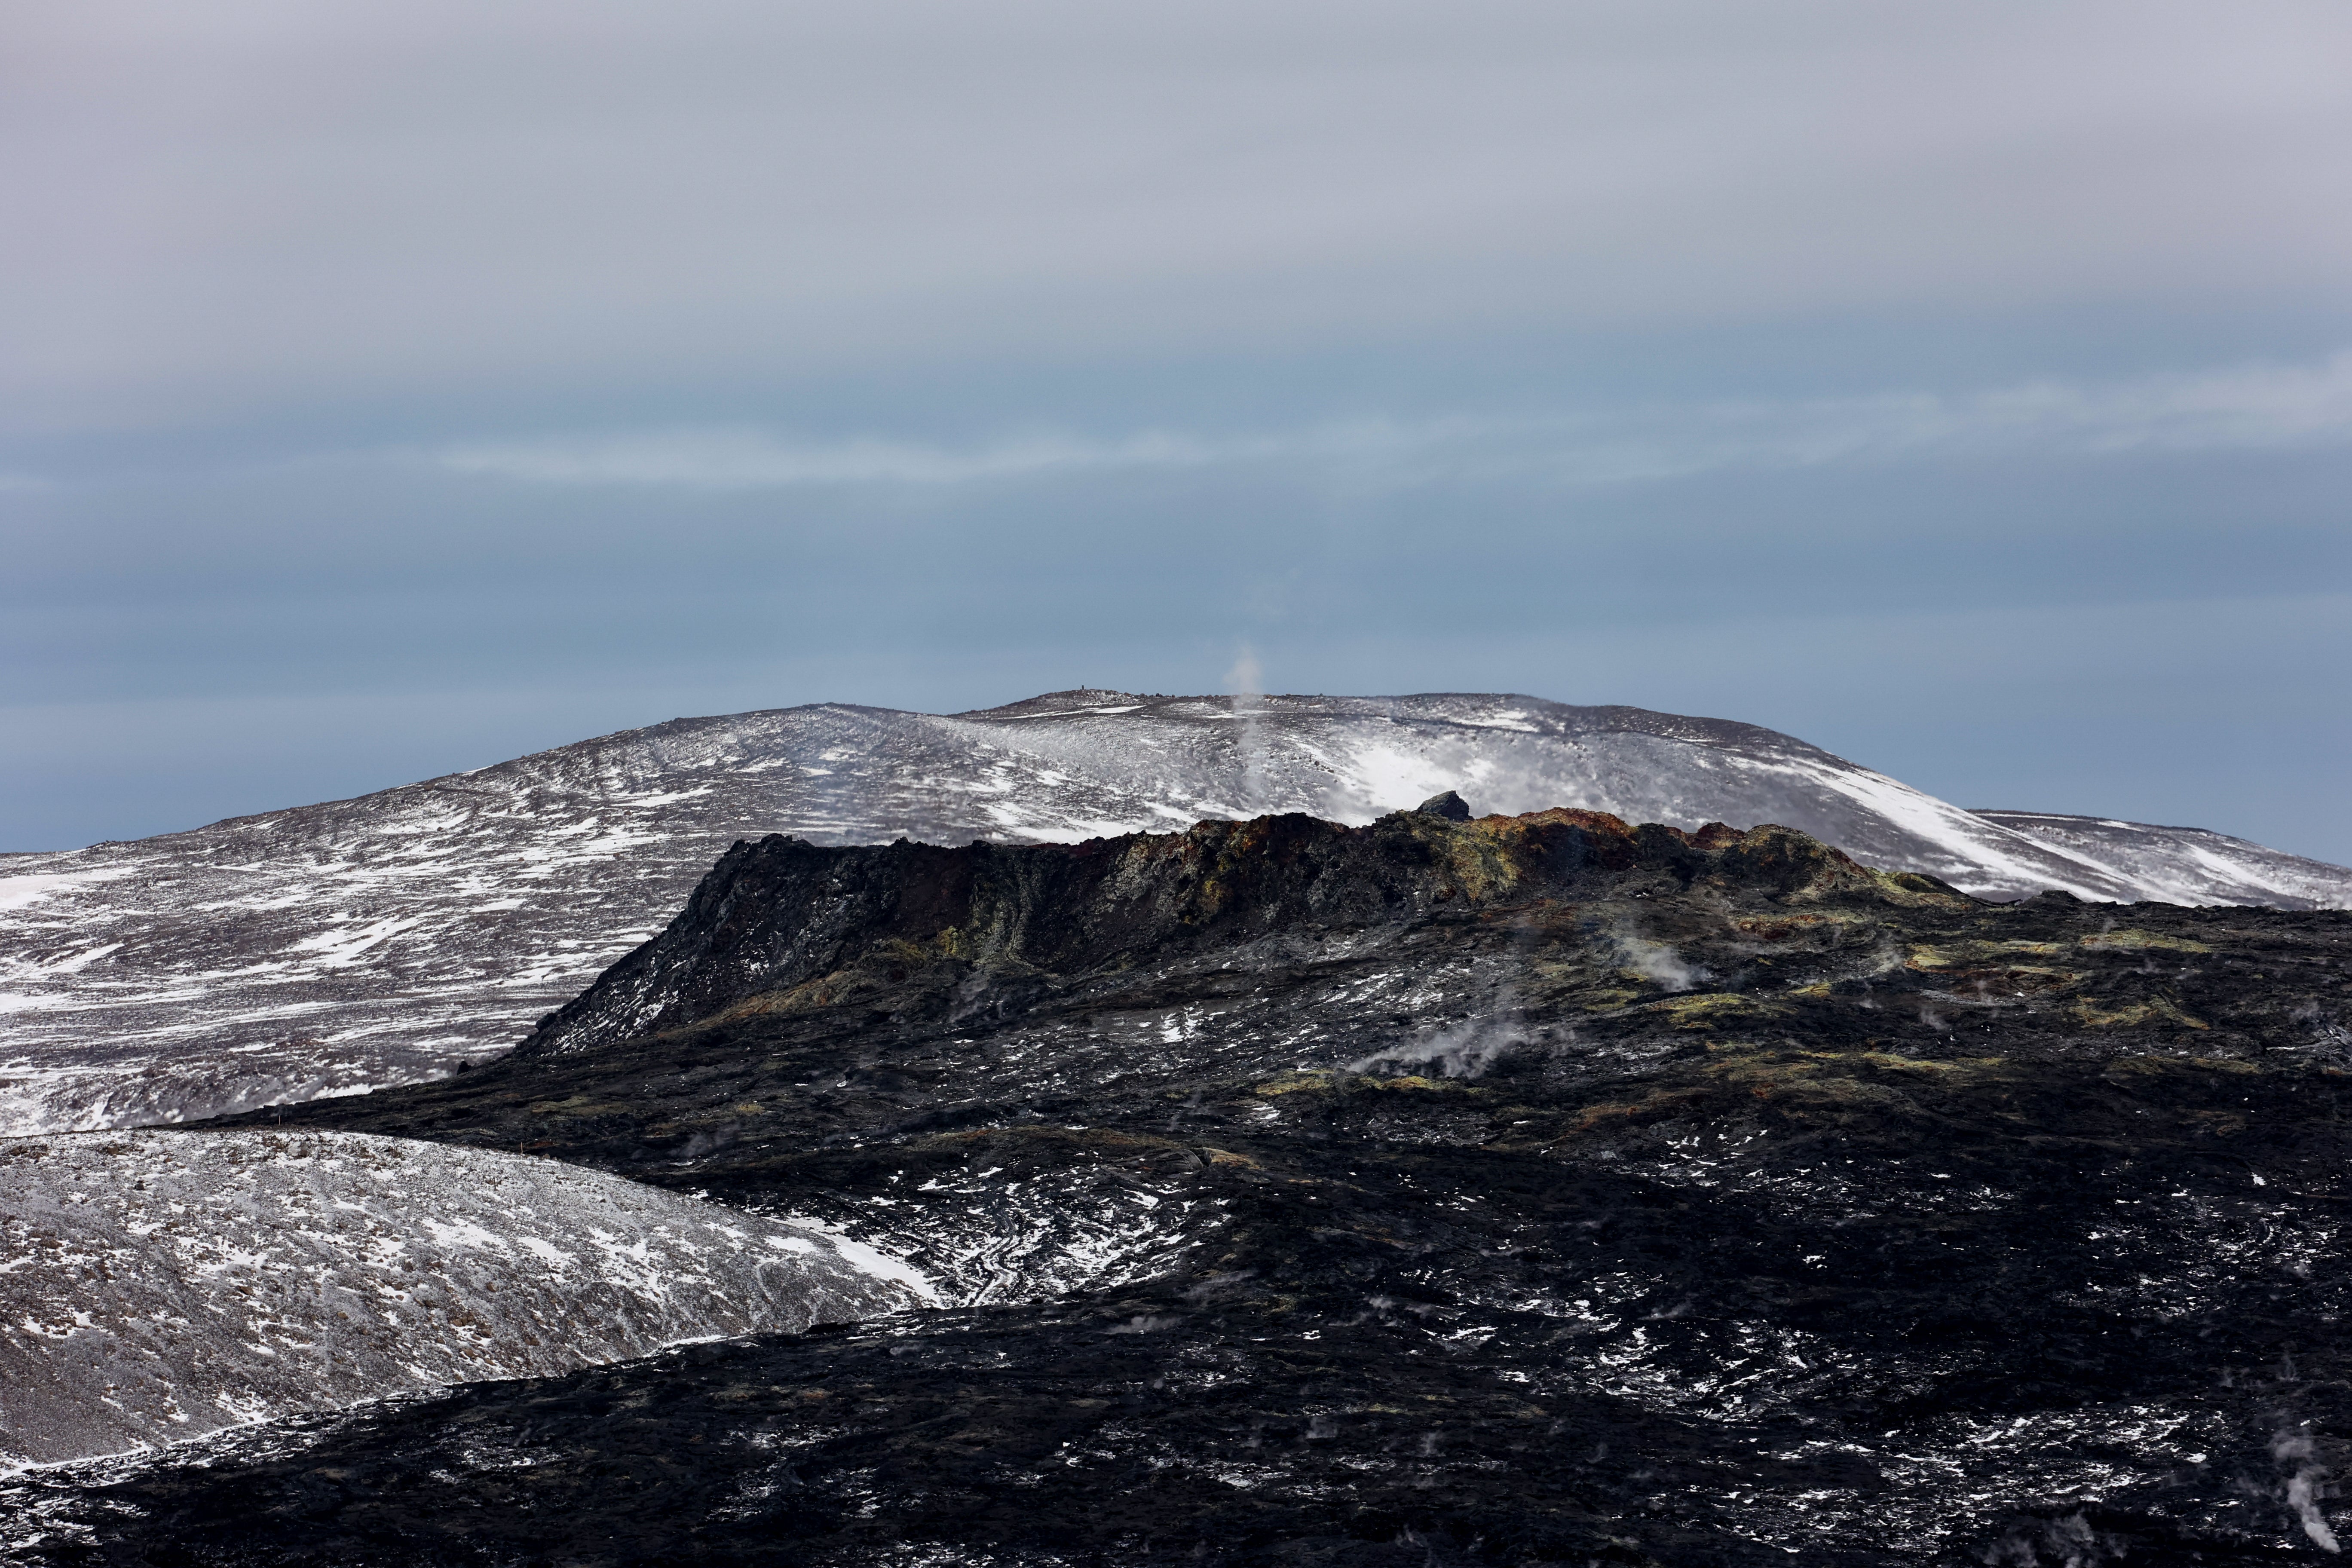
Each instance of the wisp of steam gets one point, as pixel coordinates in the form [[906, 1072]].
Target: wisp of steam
[[1468, 1048], [1656, 962], [1247, 681]]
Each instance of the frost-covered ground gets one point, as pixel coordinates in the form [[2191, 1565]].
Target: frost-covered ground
[[2187, 865], [156, 1286], [339, 947]]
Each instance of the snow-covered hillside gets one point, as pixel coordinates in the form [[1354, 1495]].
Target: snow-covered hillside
[[331, 948], [2187, 865], [158, 1285]]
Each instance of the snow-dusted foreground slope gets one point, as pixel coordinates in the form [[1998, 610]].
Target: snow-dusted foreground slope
[[335, 948], [158, 1285]]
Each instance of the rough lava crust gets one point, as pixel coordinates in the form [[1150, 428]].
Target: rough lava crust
[[1520, 1190]]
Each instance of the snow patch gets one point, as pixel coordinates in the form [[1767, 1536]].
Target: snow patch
[[161, 1285]]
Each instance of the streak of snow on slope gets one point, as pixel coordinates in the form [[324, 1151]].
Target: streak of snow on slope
[[160, 1285], [2184, 865], [986, 1244]]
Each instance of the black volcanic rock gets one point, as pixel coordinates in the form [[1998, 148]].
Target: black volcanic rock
[[1449, 805], [1525, 1190], [784, 924]]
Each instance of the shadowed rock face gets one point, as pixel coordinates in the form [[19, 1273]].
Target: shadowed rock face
[[785, 924], [1533, 1189]]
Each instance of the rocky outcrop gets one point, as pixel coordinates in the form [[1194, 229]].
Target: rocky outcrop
[[785, 923], [1449, 805]]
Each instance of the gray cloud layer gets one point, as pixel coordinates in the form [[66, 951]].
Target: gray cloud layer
[[2248, 407], [219, 209], [387, 389]]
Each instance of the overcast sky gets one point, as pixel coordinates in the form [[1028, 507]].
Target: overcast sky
[[386, 390]]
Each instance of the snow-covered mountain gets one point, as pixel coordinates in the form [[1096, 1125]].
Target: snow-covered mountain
[[161, 1285], [2187, 865], [331, 948]]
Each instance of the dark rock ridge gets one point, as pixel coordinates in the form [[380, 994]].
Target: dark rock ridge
[[784, 923], [335, 948], [1522, 1190]]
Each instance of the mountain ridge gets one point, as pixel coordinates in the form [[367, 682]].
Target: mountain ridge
[[390, 937], [782, 917]]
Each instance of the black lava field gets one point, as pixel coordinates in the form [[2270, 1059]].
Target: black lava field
[[1439, 1191]]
